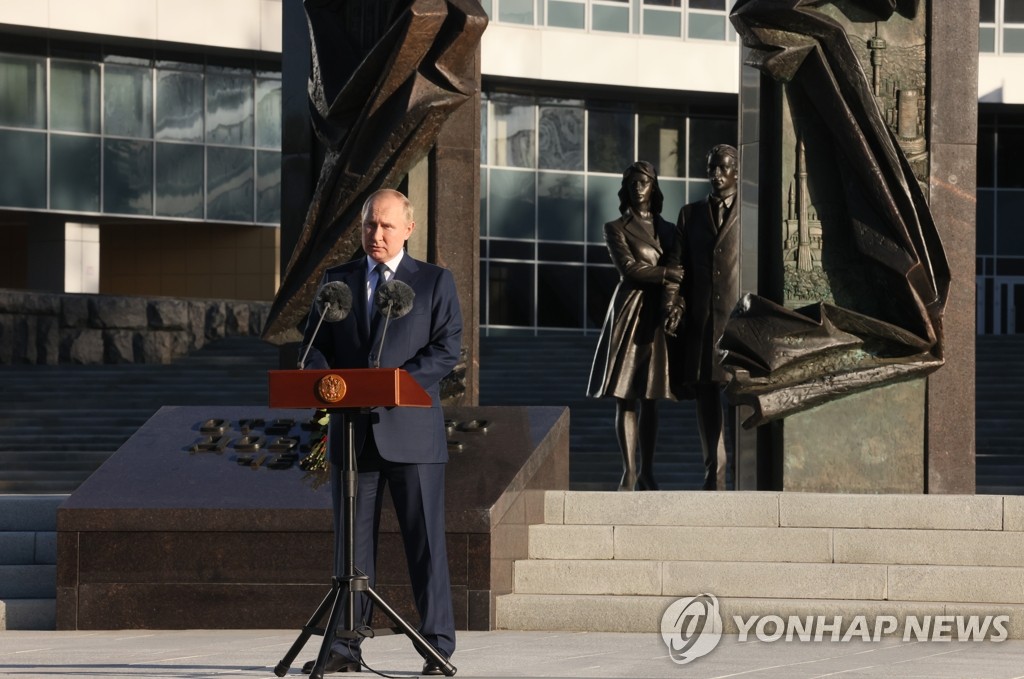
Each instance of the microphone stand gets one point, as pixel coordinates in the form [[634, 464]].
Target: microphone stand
[[302, 361], [383, 334]]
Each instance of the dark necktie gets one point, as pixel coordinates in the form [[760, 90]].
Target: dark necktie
[[375, 282]]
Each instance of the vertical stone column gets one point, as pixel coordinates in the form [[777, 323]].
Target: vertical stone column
[[952, 135]]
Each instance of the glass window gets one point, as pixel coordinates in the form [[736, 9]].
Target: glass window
[[610, 140], [513, 131], [987, 14], [179, 180], [22, 91], [75, 96], [663, 23], [229, 109], [511, 197], [986, 156], [483, 132], [268, 114], [674, 191], [1013, 11], [268, 187], [128, 177], [74, 173], [708, 4], [510, 294], [664, 3], [128, 101], [229, 184], [560, 138], [704, 134], [566, 14], [1009, 169], [1009, 235], [662, 141], [1013, 40], [516, 11], [986, 223], [179, 106], [559, 296], [27, 152], [986, 39], [601, 282], [511, 249], [602, 204], [560, 207], [705, 26], [608, 18]]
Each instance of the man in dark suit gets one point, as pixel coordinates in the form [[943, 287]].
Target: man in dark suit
[[405, 448], [707, 246]]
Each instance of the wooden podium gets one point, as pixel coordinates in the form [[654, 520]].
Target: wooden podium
[[345, 393]]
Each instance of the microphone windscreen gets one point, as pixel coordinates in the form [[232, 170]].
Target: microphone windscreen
[[396, 296], [334, 301]]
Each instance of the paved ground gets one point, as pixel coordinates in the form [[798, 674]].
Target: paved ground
[[196, 654]]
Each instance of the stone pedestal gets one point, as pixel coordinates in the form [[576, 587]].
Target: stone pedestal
[[161, 537]]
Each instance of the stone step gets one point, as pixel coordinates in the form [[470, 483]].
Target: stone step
[[30, 512], [28, 581], [28, 614], [642, 614], [24, 548]]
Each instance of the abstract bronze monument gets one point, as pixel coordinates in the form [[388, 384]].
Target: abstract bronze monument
[[865, 278], [631, 361], [386, 75], [707, 244]]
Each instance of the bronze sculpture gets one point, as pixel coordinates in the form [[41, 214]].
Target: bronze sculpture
[[889, 272], [384, 78], [631, 361], [707, 244]]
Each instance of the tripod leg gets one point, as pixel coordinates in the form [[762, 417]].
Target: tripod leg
[[330, 601], [343, 591], [421, 644]]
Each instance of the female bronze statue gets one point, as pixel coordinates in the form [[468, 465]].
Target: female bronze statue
[[631, 362]]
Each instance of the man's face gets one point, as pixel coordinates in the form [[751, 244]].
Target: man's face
[[385, 228], [722, 173]]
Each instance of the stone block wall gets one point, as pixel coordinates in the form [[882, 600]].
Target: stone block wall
[[50, 328]]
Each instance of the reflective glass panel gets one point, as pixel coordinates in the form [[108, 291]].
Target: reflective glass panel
[[179, 180], [128, 101], [704, 134], [986, 155], [561, 138], [511, 198], [1013, 40], [22, 91], [1013, 11], [705, 26], [229, 109], [229, 184], [268, 114], [27, 152], [664, 3], [610, 141], [674, 191], [75, 96], [559, 296], [662, 141], [607, 18], [128, 177], [179, 106], [986, 39], [601, 282], [560, 207], [707, 4], [512, 140], [602, 205], [1010, 171], [566, 14], [74, 173], [516, 11], [510, 293], [268, 187], [1009, 235], [987, 13], [986, 225], [669, 24]]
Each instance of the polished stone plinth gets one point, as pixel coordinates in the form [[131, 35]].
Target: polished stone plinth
[[162, 537]]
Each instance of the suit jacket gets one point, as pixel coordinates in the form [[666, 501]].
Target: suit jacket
[[710, 288], [426, 342]]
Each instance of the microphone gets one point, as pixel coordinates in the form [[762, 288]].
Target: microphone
[[333, 301], [394, 300]]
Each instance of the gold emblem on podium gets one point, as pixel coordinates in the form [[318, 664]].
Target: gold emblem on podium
[[331, 388]]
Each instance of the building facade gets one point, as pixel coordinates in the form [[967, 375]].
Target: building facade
[[141, 147]]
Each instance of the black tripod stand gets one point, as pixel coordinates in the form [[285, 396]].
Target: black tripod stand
[[341, 598]]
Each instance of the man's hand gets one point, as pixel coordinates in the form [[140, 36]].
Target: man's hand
[[673, 274]]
